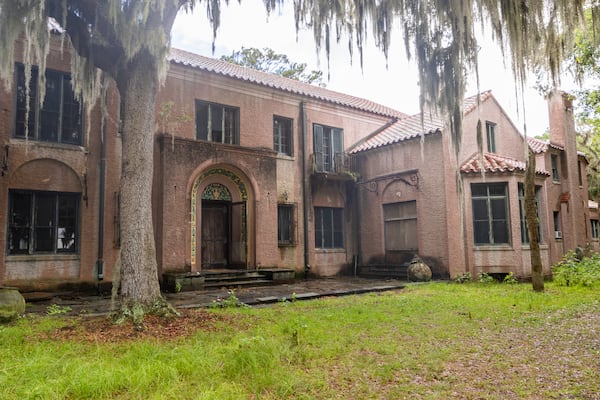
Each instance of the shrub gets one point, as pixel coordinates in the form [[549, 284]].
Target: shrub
[[464, 278], [484, 277], [572, 272]]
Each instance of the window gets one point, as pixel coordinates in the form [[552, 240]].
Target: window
[[555, 173], [557, 230], [43, 222], [328, 148], [490, 213], [594, 224], [329, 228], [217, 123], [285, 224], [282, 135], [579, 174], [59, 118], [490, 131], [524, 231], [400, 224]]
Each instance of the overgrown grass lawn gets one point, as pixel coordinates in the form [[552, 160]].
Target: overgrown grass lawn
[[432, 341]]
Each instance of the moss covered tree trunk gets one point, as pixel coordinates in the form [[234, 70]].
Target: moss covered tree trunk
[[531, 216], [139, 275]]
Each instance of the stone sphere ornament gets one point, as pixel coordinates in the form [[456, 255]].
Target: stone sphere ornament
[[418, 271], [12, 304]]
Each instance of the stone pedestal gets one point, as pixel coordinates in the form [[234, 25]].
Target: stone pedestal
[[12, 304]]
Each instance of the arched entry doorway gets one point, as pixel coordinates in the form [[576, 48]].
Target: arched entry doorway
[[219, 221]]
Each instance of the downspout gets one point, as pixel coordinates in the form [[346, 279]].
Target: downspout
[[303, 128], [102, 190]]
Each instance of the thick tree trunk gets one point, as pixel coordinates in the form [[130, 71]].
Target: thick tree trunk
[[531, 216], [139, 274]]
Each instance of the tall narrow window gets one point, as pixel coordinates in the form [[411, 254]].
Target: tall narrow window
[[490, 129], [285, 224], [217, 123], [329, 228], [557, 230], [555, 170], [490, 213], [524, 230], [400, 224], [594, 226], [59, 118], [328, 148], [43, 222], [282, 135], [579, 173]]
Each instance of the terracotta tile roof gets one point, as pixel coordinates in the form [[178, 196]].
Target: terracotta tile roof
[[398, 131], [493, 163], [541, 146], [280, 83], [470, 103], [410, 127]]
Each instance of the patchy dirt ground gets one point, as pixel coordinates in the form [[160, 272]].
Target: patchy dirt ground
[[103, 329]]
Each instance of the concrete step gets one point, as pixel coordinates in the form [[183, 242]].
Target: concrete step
[[236, 283]]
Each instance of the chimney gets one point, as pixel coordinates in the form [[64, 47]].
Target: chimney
[[562, 124], [562, 133]]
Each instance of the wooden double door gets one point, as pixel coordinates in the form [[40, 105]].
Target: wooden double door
[[223, 234]]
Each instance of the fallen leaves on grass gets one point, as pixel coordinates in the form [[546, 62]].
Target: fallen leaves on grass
[[103, 329]]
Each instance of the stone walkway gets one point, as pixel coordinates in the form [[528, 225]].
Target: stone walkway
[[251, 295]]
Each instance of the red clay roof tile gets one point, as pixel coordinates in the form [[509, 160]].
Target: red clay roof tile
[[224, 68]]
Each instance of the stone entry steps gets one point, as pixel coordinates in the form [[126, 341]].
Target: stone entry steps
[[225, 278], [234, 279], [384, 271]]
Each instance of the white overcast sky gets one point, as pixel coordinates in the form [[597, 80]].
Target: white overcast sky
[[247, 25]]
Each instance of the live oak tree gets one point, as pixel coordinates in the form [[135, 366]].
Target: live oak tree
[[267, 60], [128, 41]]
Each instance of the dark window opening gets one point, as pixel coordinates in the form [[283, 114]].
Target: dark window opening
[[490, 130], [282, 135], [594, 226], [329, 228], [490, 213], [557, 230], [59, 118], [555, 171], [43, 222], [285, 224], [524, 229], [217, 123], [328, 148]]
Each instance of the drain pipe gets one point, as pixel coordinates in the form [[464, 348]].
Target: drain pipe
[[303, 129], [102, 190]]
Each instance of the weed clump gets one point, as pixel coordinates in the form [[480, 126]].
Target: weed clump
[[576, 271]]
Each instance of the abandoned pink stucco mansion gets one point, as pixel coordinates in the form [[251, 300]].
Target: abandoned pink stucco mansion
[[255, 171]]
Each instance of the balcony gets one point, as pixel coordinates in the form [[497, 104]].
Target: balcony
[[340, 166]]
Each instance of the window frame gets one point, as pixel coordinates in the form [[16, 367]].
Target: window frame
[[489, 219], [490, 134], [555, 164], [409, 212], [283, 135], [328, 142], [35, 227], [523, 217], [231, 138], [287, 220], [329, 237], [67, 112], [595, 228]]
